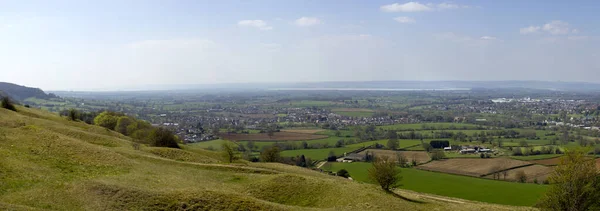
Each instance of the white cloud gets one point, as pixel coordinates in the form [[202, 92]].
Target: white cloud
[[530, 29], [404, 20], [447, 6], [555, 27], [260, 24], [488, 38], [407, 7], [418, 7], [307, 21]]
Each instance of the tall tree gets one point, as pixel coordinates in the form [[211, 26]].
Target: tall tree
[[229, 153], [576, 184], [271, 154], [385, 173]]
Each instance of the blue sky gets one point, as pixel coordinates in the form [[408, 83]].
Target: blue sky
[[108, 45]]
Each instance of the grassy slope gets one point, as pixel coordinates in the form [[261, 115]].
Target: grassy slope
[[47, 162], [456, 186]]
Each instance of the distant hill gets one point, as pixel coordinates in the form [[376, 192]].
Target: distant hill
[[19, 93]]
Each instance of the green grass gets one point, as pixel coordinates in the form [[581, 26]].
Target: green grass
[[319, 154], [456, 186], [215, 144]]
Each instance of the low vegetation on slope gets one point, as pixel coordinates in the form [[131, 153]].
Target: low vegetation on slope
[[48, 162]]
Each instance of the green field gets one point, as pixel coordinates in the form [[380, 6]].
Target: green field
[[215, 144], [456, 186], [343, 133], [318, 154], [438, 126]]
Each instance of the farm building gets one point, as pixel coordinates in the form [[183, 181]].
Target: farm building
[[351, 158]]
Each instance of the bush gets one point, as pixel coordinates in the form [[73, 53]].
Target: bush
[[162, 137], [343, 173], [521, 176], [437, 155], [73, 114], [8, 104], [107, 120]]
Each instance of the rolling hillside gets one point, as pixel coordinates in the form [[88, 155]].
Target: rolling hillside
[[49, 163]]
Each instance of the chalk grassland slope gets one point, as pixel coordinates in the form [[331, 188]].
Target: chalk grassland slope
[[282, 136], [48, 163], [475, 167]]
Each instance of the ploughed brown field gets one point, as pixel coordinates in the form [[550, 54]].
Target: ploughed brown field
[[305, 131], [475, 167], [278, 136], [547, 162], [419, 156], [533, 172]]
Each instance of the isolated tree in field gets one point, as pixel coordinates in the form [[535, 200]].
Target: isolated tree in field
[[229, 152], [576, 184], [393, 144], [7, 104], [270, 154], [385, 173], [250, 145], [402, 160]]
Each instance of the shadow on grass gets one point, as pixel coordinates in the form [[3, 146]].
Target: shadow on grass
[[403, 198]]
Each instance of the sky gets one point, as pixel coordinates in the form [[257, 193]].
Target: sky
[[129, 44]]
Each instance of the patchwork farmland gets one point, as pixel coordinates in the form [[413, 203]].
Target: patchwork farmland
[[278, 136], [473, 166]]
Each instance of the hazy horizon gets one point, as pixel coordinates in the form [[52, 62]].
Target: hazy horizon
[[112, 45]]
